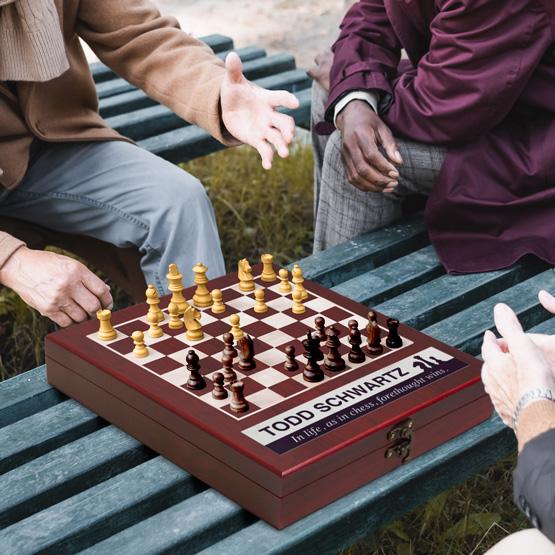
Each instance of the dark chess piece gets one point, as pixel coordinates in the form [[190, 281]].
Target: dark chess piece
[[312, 371], [246, 353], [320, 328], [333, 360], [356, 354], [229, 374], [195, 381], [393, 340], [374, 335], [291, 364], [229, 349], [238, 401], [219, 391], [315, 342]]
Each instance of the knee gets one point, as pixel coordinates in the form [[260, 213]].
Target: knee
[[318, 101], [182, 194]]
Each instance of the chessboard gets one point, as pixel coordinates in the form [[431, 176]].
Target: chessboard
[[290, 434]]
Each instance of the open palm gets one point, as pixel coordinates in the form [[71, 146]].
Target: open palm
[[249, 113]]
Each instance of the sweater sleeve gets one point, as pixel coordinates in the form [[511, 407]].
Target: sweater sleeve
[[153, 53], [8, 245]]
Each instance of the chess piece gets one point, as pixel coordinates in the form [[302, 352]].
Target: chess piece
[[298, 280], [228, 373], [154, 330], [175, 321], [238, 401], [218, 305], [237, 332], [298, 306], [312, 371], [393, 340], [106, 332], [229, 349], [333, 360], [284, 286], [175, 285], [246, 281], [259, 305], [291, 364], [219, 392], [202, 297], [195, 381], [246, 353], [356, 354], [374, 335], [153, 301], [140, 350], [320, 328], [268, 273], [315, 342], [192, 323]]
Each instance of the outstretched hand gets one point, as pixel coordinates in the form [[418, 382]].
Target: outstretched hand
[[249, 113]]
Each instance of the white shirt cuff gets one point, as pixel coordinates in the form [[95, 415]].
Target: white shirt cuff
[[370, 97]]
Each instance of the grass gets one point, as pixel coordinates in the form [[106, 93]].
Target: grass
[[260, 212]]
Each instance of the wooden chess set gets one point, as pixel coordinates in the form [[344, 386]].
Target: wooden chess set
[[283, 396]]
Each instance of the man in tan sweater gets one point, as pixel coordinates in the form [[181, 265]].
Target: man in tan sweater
[[62, 167]]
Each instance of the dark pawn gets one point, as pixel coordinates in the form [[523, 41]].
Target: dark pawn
[[195, 381], [333, 361], [229, 374], [246, 353], [238, 401], [229, 349], [315, 346], [312, 371], [356, 354], [374, 335], [291, 365], [320, 330], [393, 338], [219, 391]]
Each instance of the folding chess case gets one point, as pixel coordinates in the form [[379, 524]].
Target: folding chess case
[[300, 445]]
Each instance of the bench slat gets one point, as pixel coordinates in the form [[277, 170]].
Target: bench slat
[[157, 119], [66, 471], [26, 394], [41, 432], [103, 510], [393, 278], [447, 294], [218, 43]]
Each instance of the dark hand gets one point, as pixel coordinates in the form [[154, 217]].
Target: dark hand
[[363, 132], [321, 71]]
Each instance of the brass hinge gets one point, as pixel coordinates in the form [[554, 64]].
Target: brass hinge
[[401, 434]]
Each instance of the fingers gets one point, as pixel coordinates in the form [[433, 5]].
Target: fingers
[[234, 67], [86, 300], [266, 153], [506, 321], [74, 311], [490, 347], [361, 172], [389, 144], [63, 320], [274, 137], [98, 288], [285, 124], [374, 157], [547, 300], [283, 98]]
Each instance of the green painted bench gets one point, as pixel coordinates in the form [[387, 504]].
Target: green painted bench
[[73, 483]]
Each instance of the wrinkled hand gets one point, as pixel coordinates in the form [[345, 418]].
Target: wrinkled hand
[[363, 133], [320, 72], [59, 287], [508, 373], [249, 113]]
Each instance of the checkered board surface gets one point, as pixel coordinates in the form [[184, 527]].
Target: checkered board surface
[[269, 383]]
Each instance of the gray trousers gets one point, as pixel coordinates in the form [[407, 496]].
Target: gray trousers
[[124, 195], [341, 210]]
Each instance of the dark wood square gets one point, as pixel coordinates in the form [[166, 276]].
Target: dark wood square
[[335, 314], [169, 346], [123, 346], [211, 346], [288, 387], [216, 329], [308, 313], [130, 327], [258, 329], [261, 316], [297, 329], [163, 365]]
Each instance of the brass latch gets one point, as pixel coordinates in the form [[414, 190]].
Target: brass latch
[[402, 435]]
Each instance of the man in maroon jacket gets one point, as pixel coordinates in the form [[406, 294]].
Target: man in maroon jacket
[[468, 119]]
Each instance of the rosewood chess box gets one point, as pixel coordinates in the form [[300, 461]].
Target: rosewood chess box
[[300, 445]]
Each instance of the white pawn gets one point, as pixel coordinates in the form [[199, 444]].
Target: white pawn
[[140, 350], [260, 306], [154, 330], [175, 322], [298, 306], [235, 328], [298, 280], [218, 305], [284, 286]]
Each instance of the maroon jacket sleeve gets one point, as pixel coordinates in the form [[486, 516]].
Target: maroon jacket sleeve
[[366, 54], [481, 57]]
